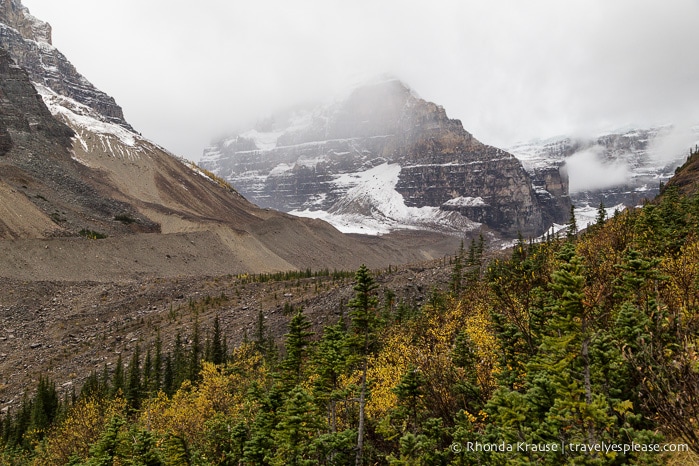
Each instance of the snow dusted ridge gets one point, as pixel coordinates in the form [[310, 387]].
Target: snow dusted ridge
[[619, 168], [93, 134], [83, 116], [632, 159], [91, 129], [372, 206]]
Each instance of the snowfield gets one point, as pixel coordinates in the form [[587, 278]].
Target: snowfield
[[372, 206]]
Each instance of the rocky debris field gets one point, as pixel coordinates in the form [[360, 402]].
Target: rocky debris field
[[67, 329]]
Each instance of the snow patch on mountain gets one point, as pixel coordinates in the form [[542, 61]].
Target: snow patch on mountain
[[466, 202], [584, 217], [82, 116], [372, 206], [263, 140]]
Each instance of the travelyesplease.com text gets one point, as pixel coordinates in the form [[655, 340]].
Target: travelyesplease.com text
[[602, 447]]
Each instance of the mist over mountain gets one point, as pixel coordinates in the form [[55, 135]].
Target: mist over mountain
[[382, 159], [617, 168]]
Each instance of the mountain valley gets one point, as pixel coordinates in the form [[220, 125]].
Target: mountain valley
[[89, 205], [357, 282]]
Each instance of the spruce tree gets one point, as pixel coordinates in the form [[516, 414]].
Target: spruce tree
[[259, 448], [104, 451], [298, 423], [133, 386], [296, 343], [410, 392], [264, 343], [168, 377], [118, 383], [195, 352], [464, 356], [179, 363], [364, 326], [217, 346], [457, 271], [148, 376], [572, 224], [45, 405], [157, 364], [601, 215], [330, 361]]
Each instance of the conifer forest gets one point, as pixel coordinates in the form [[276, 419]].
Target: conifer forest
[[578, 349]]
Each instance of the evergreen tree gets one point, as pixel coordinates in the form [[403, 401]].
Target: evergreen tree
[[105, 382], [364, 325], [157, 379], [330, 362], [133, 386], [601, 215], [259, 449], [464, 356], [91, 387], [179, 363], [217, 346], [168, 377], [262, 339], [118, 381], [457, 272], [195, 352], [104, 451], [144, 449], [45, 405], [294, 433], [572, 224], [147, 383], [410, 395], [296, 343]]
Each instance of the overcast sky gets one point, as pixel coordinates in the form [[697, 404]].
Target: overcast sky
[[511, 70]]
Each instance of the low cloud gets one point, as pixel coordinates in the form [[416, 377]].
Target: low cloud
[[590, 170], [509, 70], [671, 147]]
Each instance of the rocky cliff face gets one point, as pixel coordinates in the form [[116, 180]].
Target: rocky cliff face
[[23, 111], [619, 168], [28, 40], [310, 160], [39, 179]]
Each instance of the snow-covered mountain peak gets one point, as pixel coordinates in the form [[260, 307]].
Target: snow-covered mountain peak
[[322, 160]]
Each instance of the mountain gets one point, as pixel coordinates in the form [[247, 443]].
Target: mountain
[[619, 168], [28, 40], [72, 170], [384, 159]]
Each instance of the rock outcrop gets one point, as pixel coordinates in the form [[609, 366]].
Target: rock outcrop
[[22, 110], [39, 179], [302, 161], [28, 40]]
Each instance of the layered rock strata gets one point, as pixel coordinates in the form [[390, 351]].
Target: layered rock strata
[[301, 161], [28, 40]]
